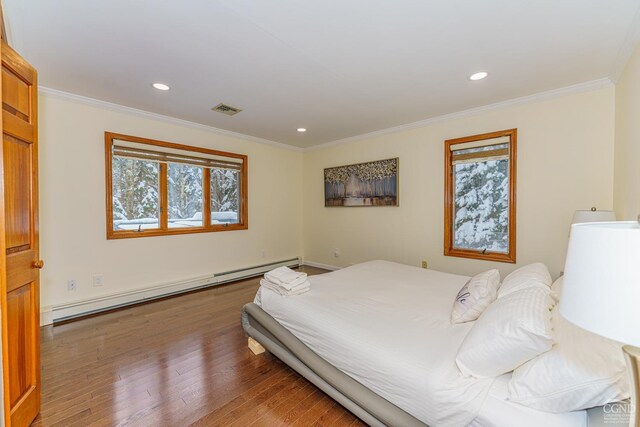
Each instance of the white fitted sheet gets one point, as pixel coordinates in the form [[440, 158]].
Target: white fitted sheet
[[497, 411], [388, 326]]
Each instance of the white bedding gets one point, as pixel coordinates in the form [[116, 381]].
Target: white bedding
[[388, 326], [497, 411], [351, 318]]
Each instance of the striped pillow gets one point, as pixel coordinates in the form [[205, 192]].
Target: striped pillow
[[511, 331], [529, 276]]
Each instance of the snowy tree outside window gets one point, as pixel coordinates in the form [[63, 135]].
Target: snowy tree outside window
[[482, 205], [184, 183], [157, 188], [136, 196], [480, 185], [225, 195]]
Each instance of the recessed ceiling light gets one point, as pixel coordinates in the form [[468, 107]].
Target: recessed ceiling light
[[478, 76], [302, 130], [161, 86]]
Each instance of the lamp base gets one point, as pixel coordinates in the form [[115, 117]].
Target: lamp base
[[632, 355]]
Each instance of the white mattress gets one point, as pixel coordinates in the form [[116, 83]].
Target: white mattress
[[387, 326], [497, 411]]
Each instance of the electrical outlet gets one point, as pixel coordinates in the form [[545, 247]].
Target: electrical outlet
[[72, 285], [98, 280], [424, 264], [336, 252]]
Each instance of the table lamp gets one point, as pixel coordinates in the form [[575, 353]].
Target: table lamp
[[601, 290], [592, 215]]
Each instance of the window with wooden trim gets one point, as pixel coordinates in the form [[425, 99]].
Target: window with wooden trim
[[157, 188], [480, 196]]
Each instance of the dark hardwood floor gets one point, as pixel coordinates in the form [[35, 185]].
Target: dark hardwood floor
[[175, 362]]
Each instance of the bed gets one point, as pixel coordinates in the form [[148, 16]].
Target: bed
[[388, 366]]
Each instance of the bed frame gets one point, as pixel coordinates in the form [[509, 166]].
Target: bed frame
[[265, 333], [362, 402]]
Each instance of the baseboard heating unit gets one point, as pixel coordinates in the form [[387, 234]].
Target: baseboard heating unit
[[64, 312]]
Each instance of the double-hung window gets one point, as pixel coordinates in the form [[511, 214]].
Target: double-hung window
[[480, 196], [157, 188]]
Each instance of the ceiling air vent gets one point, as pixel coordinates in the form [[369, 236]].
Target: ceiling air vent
[[226, 109]]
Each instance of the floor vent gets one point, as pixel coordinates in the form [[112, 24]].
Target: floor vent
[[226, 109]]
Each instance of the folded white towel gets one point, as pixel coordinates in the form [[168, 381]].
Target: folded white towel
[[286, 277], [299, 289]]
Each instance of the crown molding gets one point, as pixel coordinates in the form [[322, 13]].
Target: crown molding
[[629, 45], [555, 93], [577, 88], [55, 93]]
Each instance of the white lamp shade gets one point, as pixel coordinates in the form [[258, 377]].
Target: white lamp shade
[[593, 216], [601, 290]]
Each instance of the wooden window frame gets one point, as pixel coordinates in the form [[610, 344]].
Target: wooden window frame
[[164, 229], [449, 249]]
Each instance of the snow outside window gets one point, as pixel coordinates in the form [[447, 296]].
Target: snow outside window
[[156, 188], [225, 196], [480, 196], [135, 194], [184, 184], [481, 203]]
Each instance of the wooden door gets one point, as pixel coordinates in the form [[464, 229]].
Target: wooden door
[[19, 254]]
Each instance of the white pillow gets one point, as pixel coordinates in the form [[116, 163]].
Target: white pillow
[[476, 295], [512, 330], [556, 289], [531, 275], [581, 371]]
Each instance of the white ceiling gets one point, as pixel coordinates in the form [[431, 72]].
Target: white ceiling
[[337, 67]]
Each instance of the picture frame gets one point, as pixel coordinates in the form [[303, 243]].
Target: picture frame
[[373, 183]]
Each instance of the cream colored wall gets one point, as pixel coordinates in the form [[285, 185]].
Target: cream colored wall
[[72, 207], [627, 146], [565, 162]]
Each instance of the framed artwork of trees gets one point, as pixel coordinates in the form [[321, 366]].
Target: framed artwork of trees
[[363, 184]]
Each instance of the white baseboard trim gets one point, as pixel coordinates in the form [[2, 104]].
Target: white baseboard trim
[[46, 316], [320, 265], [74, 309]]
